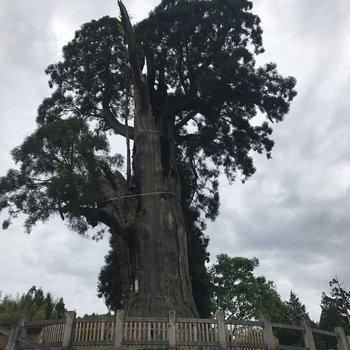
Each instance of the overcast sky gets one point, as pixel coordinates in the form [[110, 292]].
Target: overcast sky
[[293, 214]]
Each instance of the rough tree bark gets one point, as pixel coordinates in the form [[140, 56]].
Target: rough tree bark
[[153, 238]]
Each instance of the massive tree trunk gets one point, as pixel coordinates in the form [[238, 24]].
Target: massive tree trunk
[[158, 249], [153, 243]]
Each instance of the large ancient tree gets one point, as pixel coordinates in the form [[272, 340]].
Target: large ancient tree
[[186, 76]]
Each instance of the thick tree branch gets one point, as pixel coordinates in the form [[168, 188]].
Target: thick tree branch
[[115, 124], [116, 179], [185, 120]]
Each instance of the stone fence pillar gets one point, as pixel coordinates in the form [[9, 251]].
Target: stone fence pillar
[[343, 343], [309, 341], [68, 330], [268, 333], [172, 330], [221, 329], [119, 326]]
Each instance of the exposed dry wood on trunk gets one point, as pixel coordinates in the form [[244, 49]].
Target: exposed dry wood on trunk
[[127, 136]]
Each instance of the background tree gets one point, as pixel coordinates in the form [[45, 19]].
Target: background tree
[[239, 293], [32, 304], [295, 310], [330, 318], [194, 112], [335, 313], [60, 308], [340, 297], [294, 313]]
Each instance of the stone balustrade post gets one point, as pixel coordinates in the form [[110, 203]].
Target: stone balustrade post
[[269, 338], [172, 330], [221, 329], [68, 330], [12, 341], [22, 326], [308, 336], [119, 326], [342, 340]]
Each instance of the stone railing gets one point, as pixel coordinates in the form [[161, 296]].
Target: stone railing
[[170, 332]]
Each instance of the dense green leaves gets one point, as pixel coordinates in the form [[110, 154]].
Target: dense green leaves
[[34, 304], [109, 285], [294, 313], [295, 310], [332, 315], [335, 307], [341, 298], [94, 70], [201, 66], [59, 168], [203, 52], [239, 293]]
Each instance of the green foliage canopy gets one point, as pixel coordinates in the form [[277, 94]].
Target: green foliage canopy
[[332, 315], [204, 51], [201, 73], [295, 310], [59, 171], [294, 313], [109, 284], [239, 293], [335, 307], [341, 298]]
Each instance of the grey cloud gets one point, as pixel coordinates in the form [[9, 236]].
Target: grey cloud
[[55, 259]]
